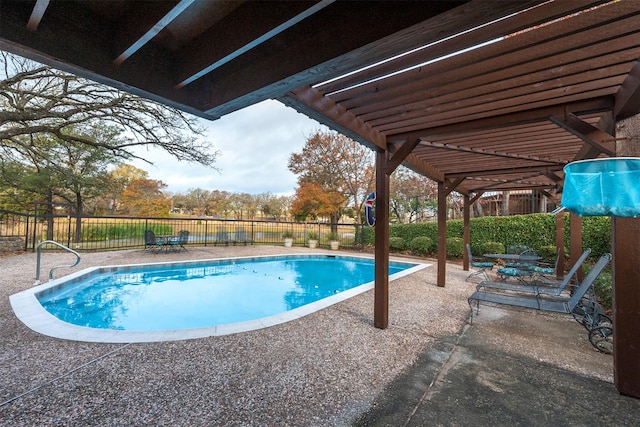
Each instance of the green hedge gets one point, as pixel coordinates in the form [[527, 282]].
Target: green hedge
[[538, 231], [121, 231]]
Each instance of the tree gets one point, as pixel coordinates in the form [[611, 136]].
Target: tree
[[144, 197], [110, 198], [313, 201], [271, 206], [219, 203], [335, 165], [412, 196], [195, 201], [38, 100]]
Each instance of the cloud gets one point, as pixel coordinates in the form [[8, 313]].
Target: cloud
[[255, 144]]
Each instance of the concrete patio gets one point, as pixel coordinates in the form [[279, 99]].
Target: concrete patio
[[330, 368]]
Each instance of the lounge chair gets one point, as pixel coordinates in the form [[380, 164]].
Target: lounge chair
[[539, 301], [151, 243], [546, 288], [481, 266]]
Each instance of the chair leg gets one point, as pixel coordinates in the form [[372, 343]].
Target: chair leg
[[481, 272]]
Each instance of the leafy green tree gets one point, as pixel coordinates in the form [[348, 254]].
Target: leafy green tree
[[54, 171]]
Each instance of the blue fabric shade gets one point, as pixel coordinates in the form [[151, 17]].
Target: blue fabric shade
[[601, 187]]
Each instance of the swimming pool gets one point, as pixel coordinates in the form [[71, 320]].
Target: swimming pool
[[172, 301]]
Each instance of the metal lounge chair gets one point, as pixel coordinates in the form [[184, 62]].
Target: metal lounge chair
[[481, 266], [547, 288], [581, 305]]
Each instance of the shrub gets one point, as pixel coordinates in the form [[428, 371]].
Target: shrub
[[548, 252], [367, 236], [455, 247], [397, 244], [596, 234], [492, 248], [603, 290], [421, 245]]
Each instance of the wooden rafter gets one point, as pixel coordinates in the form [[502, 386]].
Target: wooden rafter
[[594, 137], [487, 152]]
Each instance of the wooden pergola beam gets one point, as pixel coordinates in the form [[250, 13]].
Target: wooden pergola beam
[[312, 103], [597, 140]]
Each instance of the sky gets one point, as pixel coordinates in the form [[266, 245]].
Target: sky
[[254, 143]]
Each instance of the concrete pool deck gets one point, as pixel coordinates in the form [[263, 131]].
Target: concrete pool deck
[[330, 368]]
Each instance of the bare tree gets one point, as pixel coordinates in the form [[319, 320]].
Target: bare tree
[[36, 99]]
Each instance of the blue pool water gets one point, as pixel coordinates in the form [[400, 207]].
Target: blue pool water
[[198, 294]]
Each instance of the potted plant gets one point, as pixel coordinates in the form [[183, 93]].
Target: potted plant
[[333, 241], [288, 238], [313, 239]]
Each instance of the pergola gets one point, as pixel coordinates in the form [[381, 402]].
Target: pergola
[[479, 96]]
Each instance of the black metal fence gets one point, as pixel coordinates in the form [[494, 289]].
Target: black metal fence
[[112, 233]]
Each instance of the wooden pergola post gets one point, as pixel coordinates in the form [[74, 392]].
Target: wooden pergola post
[[381, 293], [443, 191], [625, 248], [560, 243], [466, 232], [575, 241]]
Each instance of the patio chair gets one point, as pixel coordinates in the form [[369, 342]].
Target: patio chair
[[540, 302], [481, 266], [520, 269], [517, 249], [546, 274], [151, 243], [180, 241], [548, 288]]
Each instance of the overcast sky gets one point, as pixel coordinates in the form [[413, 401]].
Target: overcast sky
[[254, 144]]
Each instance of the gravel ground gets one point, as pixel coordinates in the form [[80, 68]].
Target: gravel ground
[[326, 368]]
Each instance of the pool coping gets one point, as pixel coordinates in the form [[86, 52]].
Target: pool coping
[[29, 311]]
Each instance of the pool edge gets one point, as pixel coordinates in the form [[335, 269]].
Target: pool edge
[[32, 314]]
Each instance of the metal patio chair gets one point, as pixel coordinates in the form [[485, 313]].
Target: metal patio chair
[[521, 268], [481, 266], [181, 240], [151, 243]]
